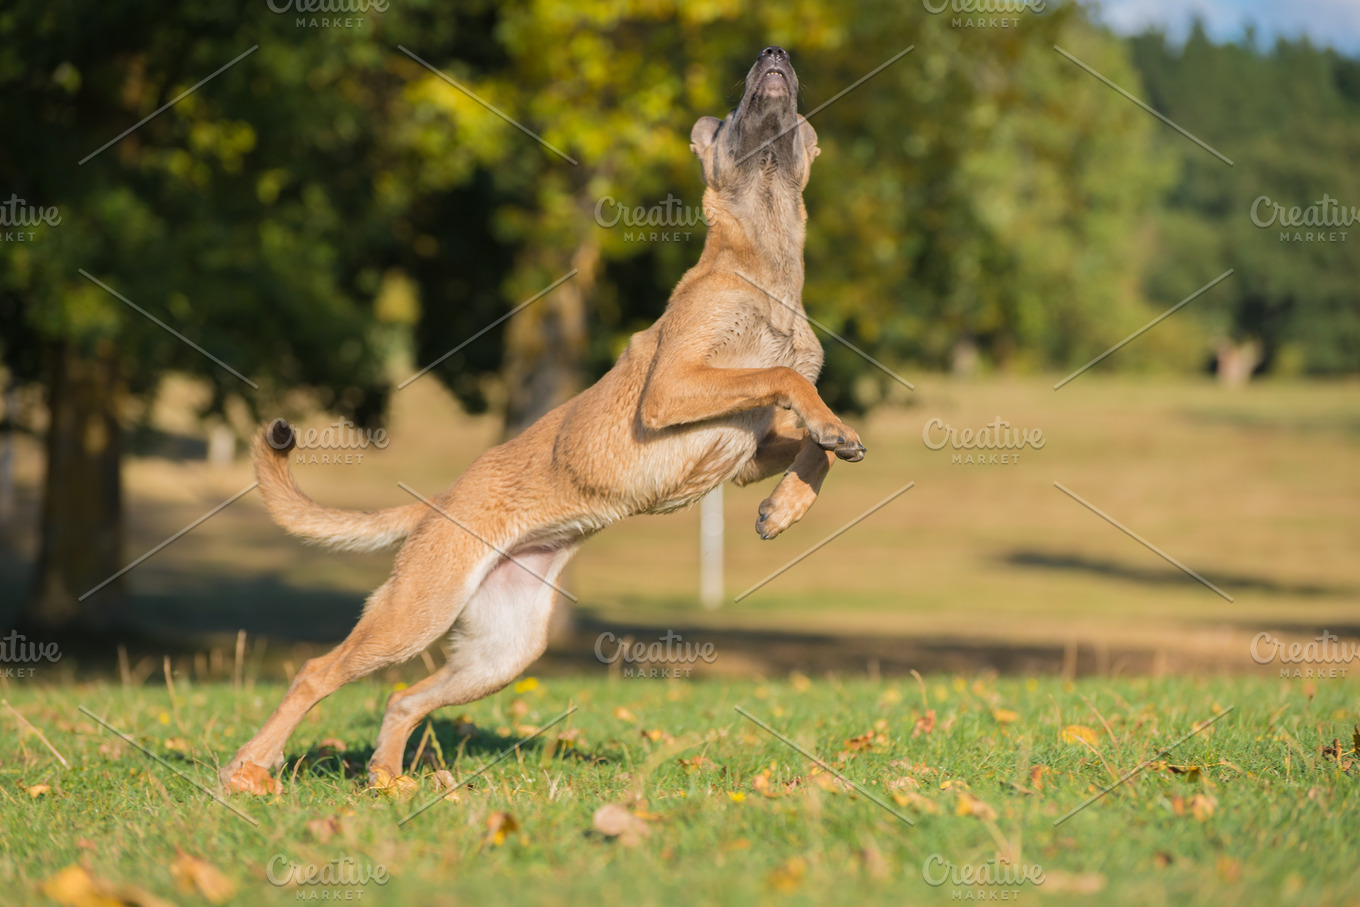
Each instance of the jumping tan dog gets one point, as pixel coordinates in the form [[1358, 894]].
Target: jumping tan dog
[[713, 391]]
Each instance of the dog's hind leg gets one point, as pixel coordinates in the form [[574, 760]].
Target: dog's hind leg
[[500, 632], [407, 613]]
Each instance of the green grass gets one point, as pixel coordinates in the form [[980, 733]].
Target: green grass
[[1259, 816]]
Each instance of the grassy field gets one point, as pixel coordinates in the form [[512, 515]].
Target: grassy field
[[1255, 489], [706, 806]]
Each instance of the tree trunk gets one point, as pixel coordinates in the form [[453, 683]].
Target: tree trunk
[[81, 533], [545, 346]]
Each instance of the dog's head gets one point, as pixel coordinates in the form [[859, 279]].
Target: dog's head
[[764, 138]]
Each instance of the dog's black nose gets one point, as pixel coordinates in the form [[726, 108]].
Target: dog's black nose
[[778, 53]]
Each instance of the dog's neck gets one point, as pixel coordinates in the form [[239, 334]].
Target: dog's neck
[[759, 233]]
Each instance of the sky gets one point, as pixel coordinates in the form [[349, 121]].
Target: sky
[[1332, 23]]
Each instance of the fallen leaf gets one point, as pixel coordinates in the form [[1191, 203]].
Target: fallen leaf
[[970, 805], [499, 826], [658, 735], [925, 724], [624, 715], [1080, 733], [866, 741], [615, 821], [1036, 776], [178, 744], [37, 790], [789, 875], [193, 875], [397, 786], [917, 802], [324, 829], [74, 886], [1004, 716]]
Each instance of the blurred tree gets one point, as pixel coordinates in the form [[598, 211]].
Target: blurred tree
[[1289, 119], [242, 216]]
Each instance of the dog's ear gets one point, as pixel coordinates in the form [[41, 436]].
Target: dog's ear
[[701, 136], [809, 136]]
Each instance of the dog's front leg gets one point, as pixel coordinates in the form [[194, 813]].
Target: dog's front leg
[[679, 394]]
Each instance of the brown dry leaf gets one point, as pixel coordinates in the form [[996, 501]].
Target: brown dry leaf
[[697, 763], [614, 821], [866, 741], [74, 886], [624, 715], [925, 724], [906, 782], [37, 790], [193, 875], [761, 783], [1080, 733], [970, 805], [789, 875], [1036, 776], [1200, 805], [324, 829], [1004, 716], [499, 826]]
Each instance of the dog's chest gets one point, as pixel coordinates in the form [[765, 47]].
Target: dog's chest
[[782, 338]]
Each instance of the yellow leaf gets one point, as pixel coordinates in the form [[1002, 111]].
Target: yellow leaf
[[969, 805], [1004, 716], [38, 790], [1080, 733], [76, 887], [499, 826], [624, 715], [193, 875], [789, 876]]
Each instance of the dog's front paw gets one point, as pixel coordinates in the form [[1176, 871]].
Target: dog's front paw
[[248, 778], [784, 507], [836, 436]]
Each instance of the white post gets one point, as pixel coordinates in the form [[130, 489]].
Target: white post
[[711, 549]]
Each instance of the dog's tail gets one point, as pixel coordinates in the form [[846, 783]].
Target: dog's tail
[[348, 530]]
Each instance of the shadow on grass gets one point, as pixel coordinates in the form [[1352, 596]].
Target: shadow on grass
[[458, 746], [1233, 583]]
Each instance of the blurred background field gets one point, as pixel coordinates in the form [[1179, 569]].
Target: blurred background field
[[981, 565]]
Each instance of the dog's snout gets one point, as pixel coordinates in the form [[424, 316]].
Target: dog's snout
[[778, 53]]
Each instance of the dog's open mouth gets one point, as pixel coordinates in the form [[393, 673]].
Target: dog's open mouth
[[772, 81]]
